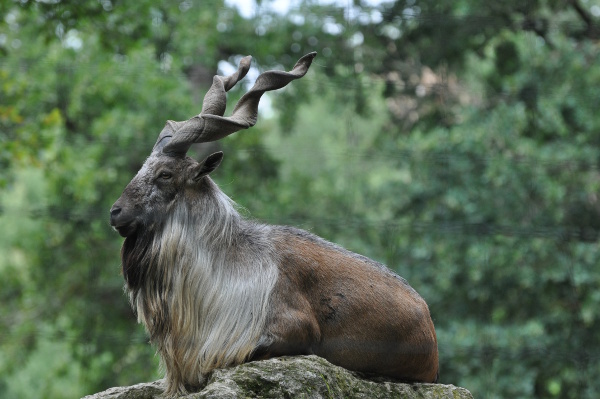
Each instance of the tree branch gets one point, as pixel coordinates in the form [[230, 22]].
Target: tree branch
[[592, 30]]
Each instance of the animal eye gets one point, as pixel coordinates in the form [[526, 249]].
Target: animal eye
[[165, 175]]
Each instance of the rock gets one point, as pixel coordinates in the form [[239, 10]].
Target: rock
[[148, 390], [293, 377]]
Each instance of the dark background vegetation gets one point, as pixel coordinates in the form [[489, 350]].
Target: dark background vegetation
[[456, 141]]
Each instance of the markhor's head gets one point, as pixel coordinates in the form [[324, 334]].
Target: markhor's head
[[168, 175], [161, 181]]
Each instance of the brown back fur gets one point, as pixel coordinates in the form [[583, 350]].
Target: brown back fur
[[348, 309]]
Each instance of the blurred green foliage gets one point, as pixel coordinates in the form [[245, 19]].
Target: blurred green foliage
[[457, 142]]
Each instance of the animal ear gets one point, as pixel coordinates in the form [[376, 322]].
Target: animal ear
[[207, 166]]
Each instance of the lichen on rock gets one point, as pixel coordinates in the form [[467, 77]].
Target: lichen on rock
[[293, 377]]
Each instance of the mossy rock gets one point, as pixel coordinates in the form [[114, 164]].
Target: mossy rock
[[293, 377]]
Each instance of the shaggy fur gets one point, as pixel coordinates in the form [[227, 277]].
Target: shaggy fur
[[200, 285]]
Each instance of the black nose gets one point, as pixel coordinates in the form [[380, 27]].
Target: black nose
[[115, 210]]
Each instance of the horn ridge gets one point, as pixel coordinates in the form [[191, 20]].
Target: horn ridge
[[245, 113], [211, 125], [215, 100]]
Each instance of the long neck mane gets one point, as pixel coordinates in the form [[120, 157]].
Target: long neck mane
[[200, 284]]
